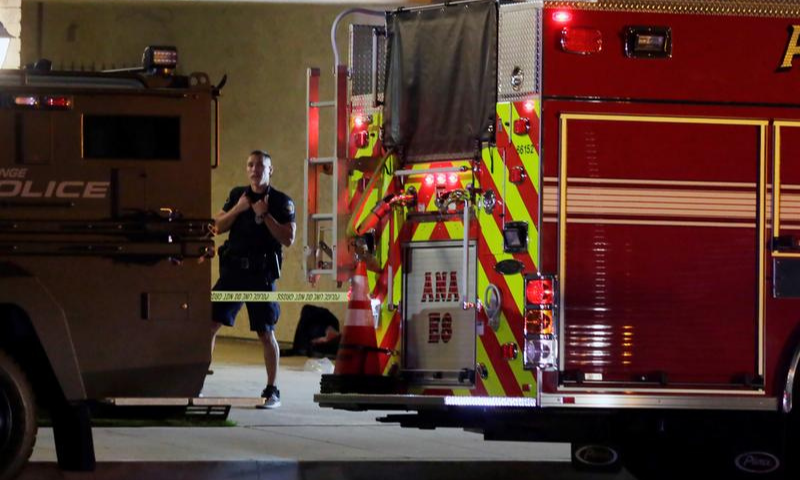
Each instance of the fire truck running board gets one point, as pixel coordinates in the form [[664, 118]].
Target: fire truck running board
[[349, 401], [186, 402]]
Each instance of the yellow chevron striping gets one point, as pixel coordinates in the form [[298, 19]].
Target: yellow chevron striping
[[529, 156], [504, 334], [492, 383], [513, 202]]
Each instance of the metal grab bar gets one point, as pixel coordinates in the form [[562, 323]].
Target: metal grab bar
[[365, 11], [457, 196], [466, 304]]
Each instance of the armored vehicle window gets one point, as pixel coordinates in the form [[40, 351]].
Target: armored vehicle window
[[128, 137]]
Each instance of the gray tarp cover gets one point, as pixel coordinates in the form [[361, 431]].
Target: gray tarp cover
[[441, 85]]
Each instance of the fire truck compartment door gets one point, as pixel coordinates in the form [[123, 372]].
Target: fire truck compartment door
[[439, 335], [662, 248]]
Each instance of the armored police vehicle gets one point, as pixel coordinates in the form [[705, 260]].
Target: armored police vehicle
[[105, 182]]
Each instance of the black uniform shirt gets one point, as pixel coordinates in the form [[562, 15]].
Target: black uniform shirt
[[248, 238]]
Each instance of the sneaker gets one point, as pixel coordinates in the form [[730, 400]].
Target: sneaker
[[272, 397]]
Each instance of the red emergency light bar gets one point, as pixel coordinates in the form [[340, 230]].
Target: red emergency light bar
[[58, 102], [440, 179]]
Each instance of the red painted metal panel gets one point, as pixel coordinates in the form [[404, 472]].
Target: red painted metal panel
[[714, 58], [644, 299], [634, 150]]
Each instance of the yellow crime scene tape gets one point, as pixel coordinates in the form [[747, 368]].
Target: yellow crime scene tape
[[278, 296]]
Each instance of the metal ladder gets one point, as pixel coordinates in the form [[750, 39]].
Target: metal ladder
[[323, 219]]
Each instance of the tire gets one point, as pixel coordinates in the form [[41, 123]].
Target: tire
[[17, 418]]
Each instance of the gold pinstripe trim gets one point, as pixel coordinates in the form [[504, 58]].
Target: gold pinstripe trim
[[761, 214], [776, 176], [624, 181], [762, 194], [665, 119], [609, 221], [766, 8], [785, 255]]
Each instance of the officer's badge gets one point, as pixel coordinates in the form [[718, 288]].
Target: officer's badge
[[290, 207]]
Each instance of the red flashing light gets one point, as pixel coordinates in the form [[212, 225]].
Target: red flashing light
[[58, 102], [452, 179], [522, 126], [510, 351], [429, 179], [358, 121], [517, 175], [441, 178], [539, 291], [529, 106], [361, 139], [562, 16], [583, 41]]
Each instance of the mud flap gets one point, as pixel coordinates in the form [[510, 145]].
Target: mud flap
[[72, 429]]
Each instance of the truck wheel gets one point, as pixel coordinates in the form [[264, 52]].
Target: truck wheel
[[17, 418]]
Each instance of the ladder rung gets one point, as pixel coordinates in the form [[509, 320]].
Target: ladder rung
[[322, 216], [329, 103], [321, 272], [321, 161]]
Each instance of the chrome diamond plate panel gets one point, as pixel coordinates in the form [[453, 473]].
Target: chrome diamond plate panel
[[361, 59], [519, 51], [364, 79]]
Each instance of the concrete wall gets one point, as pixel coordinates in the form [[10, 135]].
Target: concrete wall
[[11, 17], [264, 49]]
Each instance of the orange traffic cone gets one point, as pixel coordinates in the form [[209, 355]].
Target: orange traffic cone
[[358, 350]]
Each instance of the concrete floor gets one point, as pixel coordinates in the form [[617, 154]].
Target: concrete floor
[[298, 440]]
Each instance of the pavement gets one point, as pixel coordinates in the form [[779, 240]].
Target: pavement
[[298, 440]]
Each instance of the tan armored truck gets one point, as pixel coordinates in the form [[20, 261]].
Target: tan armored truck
[[105, 184]]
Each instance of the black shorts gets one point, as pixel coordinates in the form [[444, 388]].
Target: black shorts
[[263, 315]]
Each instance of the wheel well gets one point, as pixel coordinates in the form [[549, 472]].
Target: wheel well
[[18, 338]]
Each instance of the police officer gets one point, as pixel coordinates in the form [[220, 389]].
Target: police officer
[[260, 220]]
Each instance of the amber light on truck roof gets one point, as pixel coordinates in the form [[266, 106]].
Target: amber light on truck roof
[[160, 59]]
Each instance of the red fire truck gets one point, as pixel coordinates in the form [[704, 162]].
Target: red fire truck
[[582, 222]]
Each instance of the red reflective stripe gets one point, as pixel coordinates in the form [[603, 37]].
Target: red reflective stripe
[[526, 189]]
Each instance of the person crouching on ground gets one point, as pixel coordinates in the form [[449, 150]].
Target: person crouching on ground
[[261, 221]]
